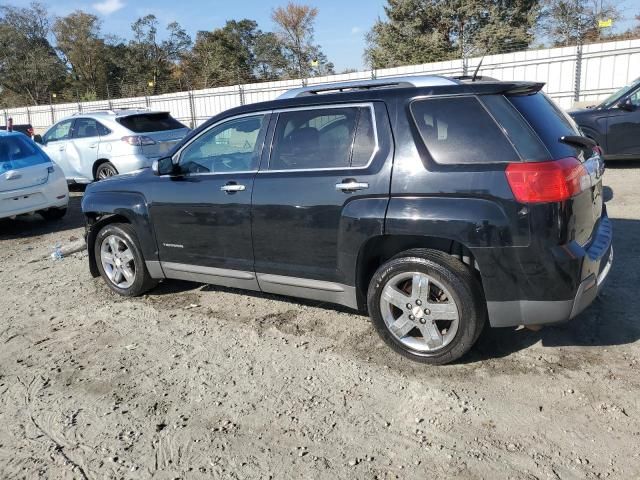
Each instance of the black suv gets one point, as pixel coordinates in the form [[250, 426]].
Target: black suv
[[431, 203]]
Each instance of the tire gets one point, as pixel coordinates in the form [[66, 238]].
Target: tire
[[105, 170], [53, 213], [425, 332], [125, 272]]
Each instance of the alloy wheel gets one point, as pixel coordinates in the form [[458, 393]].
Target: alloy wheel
[[118, 261], [419, 311]]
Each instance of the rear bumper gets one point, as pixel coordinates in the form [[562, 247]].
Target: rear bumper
[[52, 194], [596, 265]]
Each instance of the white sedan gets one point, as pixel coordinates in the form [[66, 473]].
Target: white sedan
[[29, 181]]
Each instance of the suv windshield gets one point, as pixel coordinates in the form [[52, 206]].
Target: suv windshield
[[18, 152], [615, 98], [150, 122]]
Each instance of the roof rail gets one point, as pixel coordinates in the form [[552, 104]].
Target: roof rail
[[407, 81], [110, 111]]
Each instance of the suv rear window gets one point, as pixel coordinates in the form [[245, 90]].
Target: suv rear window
[[459, 130], [18, 152], [549, 122], [150, 122]]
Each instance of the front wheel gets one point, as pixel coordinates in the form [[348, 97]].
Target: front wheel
[[120, 261], [427, 306]]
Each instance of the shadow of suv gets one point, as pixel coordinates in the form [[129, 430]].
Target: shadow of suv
[[432, 203]]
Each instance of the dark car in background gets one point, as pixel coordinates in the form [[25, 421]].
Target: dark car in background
[[429, 202], [25, 128], [614, 123]]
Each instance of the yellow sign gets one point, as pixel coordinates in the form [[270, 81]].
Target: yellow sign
[[314, 63], [605, 23]]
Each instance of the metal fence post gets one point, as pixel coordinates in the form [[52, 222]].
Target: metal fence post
[[28, 116], [53, 115], [578, 73], [6, 117], [241, 93], [192, 109], [147, 101]]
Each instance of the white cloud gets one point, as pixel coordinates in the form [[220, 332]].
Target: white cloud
[[107, 7], [356, 30]]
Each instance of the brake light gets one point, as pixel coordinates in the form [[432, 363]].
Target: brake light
[[138, 140], [554, 181]]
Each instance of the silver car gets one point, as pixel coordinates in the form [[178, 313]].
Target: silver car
[[95, 145]]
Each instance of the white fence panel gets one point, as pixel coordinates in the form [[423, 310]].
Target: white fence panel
[[605, 67]]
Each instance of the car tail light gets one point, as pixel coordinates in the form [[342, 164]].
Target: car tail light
[[138, 140], [553, 181]]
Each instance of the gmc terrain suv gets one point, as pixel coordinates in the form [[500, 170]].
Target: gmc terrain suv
[[432, 203]]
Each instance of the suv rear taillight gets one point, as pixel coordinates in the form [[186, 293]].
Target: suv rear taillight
[[553, 181], [138, 140]]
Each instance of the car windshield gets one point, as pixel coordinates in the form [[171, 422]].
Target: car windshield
[[17, 152], [613, 99]]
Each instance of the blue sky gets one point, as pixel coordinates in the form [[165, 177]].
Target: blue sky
[[340, 27]]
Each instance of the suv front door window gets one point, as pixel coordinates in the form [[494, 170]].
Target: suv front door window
[[322, 161], [202, 216]]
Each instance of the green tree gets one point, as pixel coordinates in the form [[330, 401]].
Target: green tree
[[295, 30], [79, 41], [567, 22], [269, 58], [151, 61], [421, 31], [29, 66]]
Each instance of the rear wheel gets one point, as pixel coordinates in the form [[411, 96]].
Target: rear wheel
[[53, 213], [427, 306], [120, 261], [105, 170]]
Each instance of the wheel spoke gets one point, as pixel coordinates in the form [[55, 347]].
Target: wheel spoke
[[118, 277], [420, 286], [113, 243], [126, 256], [431, 335], [402, 326], [443, 311], [127, 272], [108, 258], [395, 297]]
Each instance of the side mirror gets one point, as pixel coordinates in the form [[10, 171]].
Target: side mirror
[[626, 105], [38, 139], [163, 166]]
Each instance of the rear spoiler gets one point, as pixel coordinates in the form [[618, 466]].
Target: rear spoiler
[[524, 88]]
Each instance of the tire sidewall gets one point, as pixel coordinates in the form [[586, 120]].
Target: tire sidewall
[[137, 286], [104, 166], [462, 296]]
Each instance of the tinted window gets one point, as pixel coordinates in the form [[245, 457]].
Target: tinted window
[[460, 130], [549, 122], [635, 98], [230, 147], [61, 131], [150, 122], [522, 136], [88, 127], [19, 152], [319, 138]]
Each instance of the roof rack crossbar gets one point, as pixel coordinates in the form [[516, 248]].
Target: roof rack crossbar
[[406, 81]]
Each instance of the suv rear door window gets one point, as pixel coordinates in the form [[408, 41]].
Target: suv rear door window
[[88, 127], [150, 122], [459, 130], [322, 138], [549, 122]]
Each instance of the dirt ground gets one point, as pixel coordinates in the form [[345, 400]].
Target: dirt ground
[[195, 381]]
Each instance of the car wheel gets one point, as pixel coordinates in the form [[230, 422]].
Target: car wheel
[[106, 170], [120, 261], [53, 213], [427, 306]]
